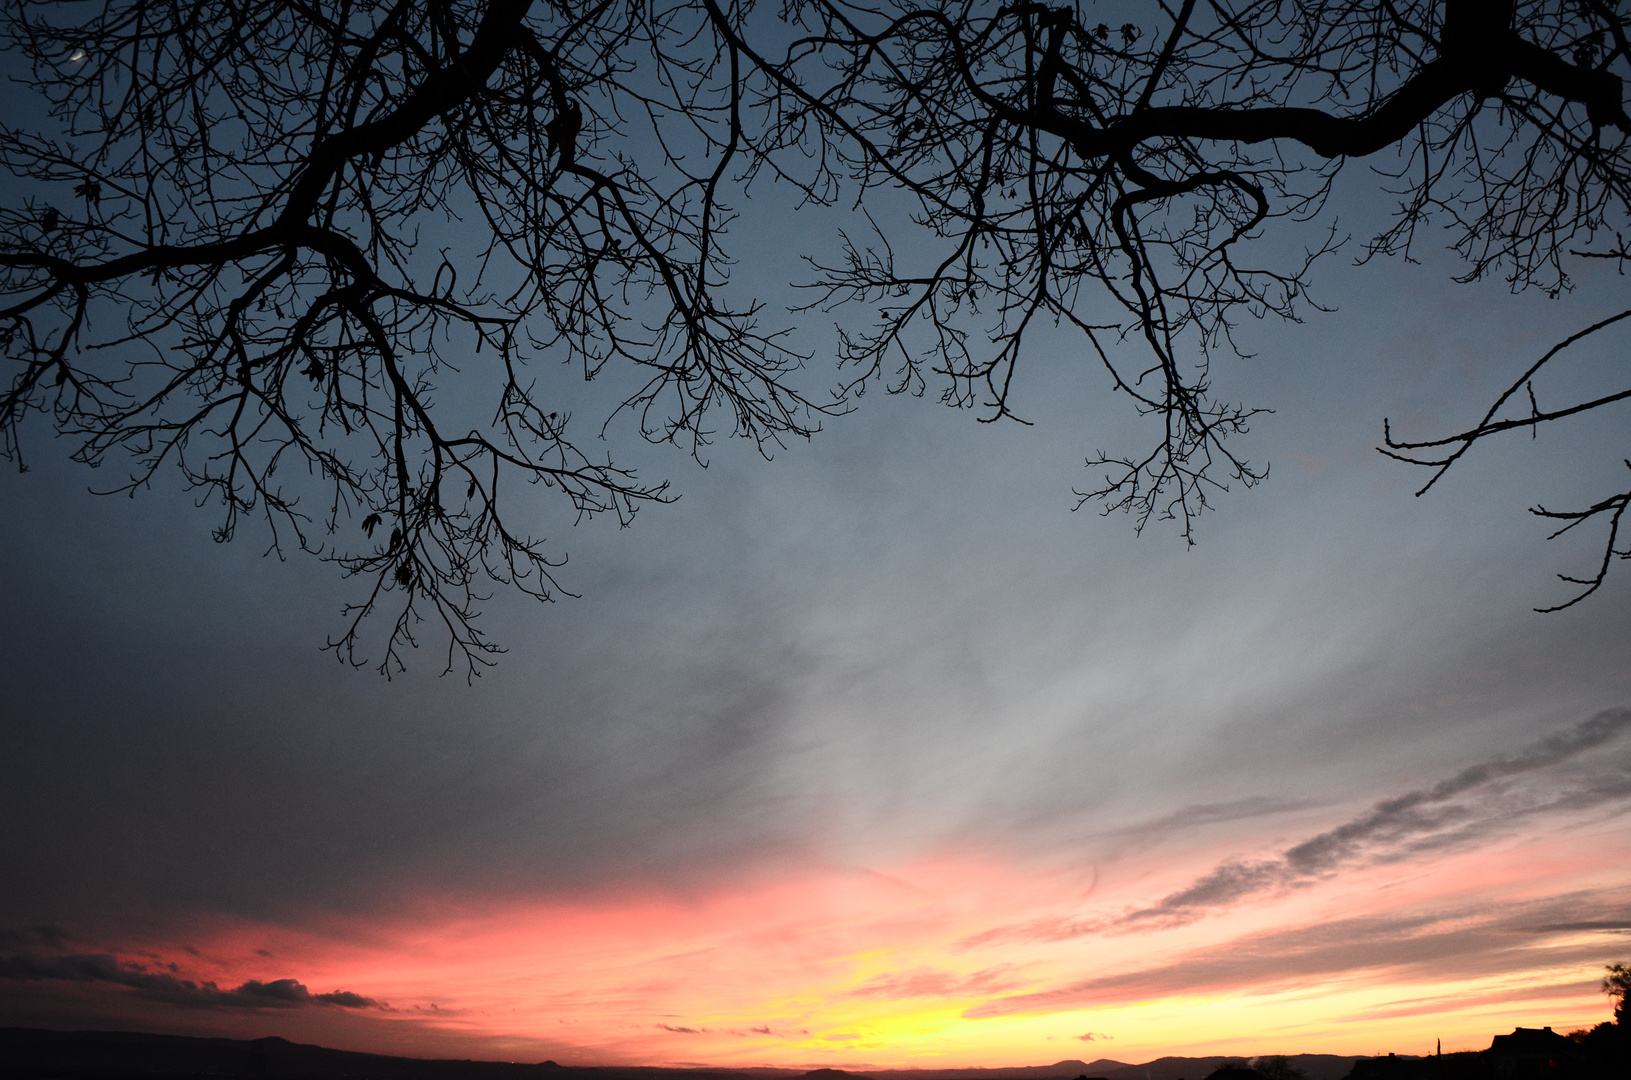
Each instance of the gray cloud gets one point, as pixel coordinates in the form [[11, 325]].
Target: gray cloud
[[1417, 821], [53, 937], [1199, 815], [163, 983], [1394, 817], [1589, 924]]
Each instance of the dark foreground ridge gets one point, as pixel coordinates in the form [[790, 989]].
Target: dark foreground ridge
[[37, 1054]]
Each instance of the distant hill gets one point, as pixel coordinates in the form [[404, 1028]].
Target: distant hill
[[1313, 1066], [32, 1053]]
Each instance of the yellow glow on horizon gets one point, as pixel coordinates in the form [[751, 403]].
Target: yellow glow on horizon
[[970, 962]]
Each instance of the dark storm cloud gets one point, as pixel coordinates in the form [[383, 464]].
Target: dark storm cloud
[[164, 983], [1447, 945]]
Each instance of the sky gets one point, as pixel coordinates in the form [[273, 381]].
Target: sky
[[874, 754]]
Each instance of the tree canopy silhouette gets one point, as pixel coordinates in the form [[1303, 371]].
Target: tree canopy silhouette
[[217, 256], [1617, 985]]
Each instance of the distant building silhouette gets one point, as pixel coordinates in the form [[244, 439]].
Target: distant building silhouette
[[1531, 1052], [1525, 1054]]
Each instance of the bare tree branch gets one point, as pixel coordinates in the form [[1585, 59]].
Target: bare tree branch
[[216, 265]]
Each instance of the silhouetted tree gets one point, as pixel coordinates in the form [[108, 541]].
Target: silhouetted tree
[[1234, 1070], [1055, 154], [220, 253], [1608, 1044], [1277, 1067], [215, 262], [1617, 985]]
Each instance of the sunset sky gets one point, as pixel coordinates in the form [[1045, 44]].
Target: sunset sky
[[875, 754]]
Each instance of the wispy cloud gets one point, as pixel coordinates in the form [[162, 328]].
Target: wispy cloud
[[1477, 802], [1423, 1006], [933, 982], [1427, 818], [681, 1029], [1451, 944], [1199, 815]]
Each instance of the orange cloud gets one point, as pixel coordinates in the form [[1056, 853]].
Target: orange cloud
[[849, 967]]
